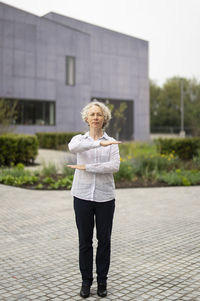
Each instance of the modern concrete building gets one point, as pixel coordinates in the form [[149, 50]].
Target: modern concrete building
[[53, 65]]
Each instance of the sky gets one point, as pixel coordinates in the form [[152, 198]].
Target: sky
[[172, 28]]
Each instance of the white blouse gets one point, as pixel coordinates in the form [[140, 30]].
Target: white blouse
[[96, 182]]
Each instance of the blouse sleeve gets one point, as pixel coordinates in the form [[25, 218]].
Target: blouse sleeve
[[106, 167], [79, 144]]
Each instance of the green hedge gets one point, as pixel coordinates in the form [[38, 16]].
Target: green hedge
[[54, 140], [184, 148], [16, 148]]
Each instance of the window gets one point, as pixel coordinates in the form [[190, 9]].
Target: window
[[32, 112], [70, 70], [121, 125]]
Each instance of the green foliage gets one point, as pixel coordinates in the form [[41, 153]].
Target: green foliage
[[180, 177], [196, 159], [135, 149], [148, 167], [140, 162], [125, 172], [165, 106], [17, 148], [48, 180], [8, 115], [55, 140], [48, 170], [66, 171], [119, 118], [39, 186], [17, 176], [63, 183], [185, 148]]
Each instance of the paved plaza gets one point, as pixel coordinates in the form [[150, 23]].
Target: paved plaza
[[155, 246]]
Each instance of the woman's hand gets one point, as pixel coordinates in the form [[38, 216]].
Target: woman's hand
[[80, 167], [106, 143]]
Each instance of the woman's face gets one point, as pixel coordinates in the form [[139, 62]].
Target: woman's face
[[95, 117]]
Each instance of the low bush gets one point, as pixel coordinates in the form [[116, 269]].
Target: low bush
[[135, 149], [147, 167], [125, 171], [62, 183], [55, 140], [66, 171], [17, 176], [180, 177], [48, 170], [185, 148], [15, 148]]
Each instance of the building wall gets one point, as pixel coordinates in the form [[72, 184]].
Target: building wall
[[119, 68], [32, 65], [108, 65]]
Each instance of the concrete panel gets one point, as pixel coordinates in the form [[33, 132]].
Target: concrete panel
[[19, 87], [108, 65], [7, 38], [19, 63], [29, 88], [7, 87], [29, 64], [7, 61]]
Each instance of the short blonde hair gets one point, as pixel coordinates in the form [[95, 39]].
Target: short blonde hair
[[105, 110]]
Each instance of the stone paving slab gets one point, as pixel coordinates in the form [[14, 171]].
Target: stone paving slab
[[155, 246]]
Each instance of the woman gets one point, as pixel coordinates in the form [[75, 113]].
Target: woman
[[93, 191]]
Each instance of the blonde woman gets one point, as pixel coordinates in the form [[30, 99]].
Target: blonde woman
[[94, 196]]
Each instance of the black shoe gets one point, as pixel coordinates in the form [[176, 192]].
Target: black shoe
[[85, 291], [101, 290]]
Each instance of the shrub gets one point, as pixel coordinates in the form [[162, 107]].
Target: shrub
[[17, 176], [16, 148], [147, 167], [185, 148], [135, 149], [48, 170], [63, 183], [125, 171], [54, 140], [180, 177], [67, 171]]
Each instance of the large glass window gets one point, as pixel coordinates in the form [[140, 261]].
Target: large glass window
[[70, 70], [121, 124], [32, 112]]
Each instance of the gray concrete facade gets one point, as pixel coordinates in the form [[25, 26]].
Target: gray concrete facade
[[109, 65]]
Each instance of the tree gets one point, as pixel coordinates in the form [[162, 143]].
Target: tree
[[155, 105], [119, 118], [165, 106], [8, 115]]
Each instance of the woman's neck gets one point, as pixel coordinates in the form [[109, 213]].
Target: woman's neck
[[96, 133]]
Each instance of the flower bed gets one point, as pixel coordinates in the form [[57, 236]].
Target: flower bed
[[141, 166]]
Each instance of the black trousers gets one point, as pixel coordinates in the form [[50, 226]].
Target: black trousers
[[88, 213]]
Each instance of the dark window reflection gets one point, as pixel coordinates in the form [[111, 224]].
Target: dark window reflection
[[35, 112]]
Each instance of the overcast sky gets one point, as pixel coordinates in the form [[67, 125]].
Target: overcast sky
[[172, 28]]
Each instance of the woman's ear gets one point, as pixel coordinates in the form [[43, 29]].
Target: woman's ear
[[86, 120]]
